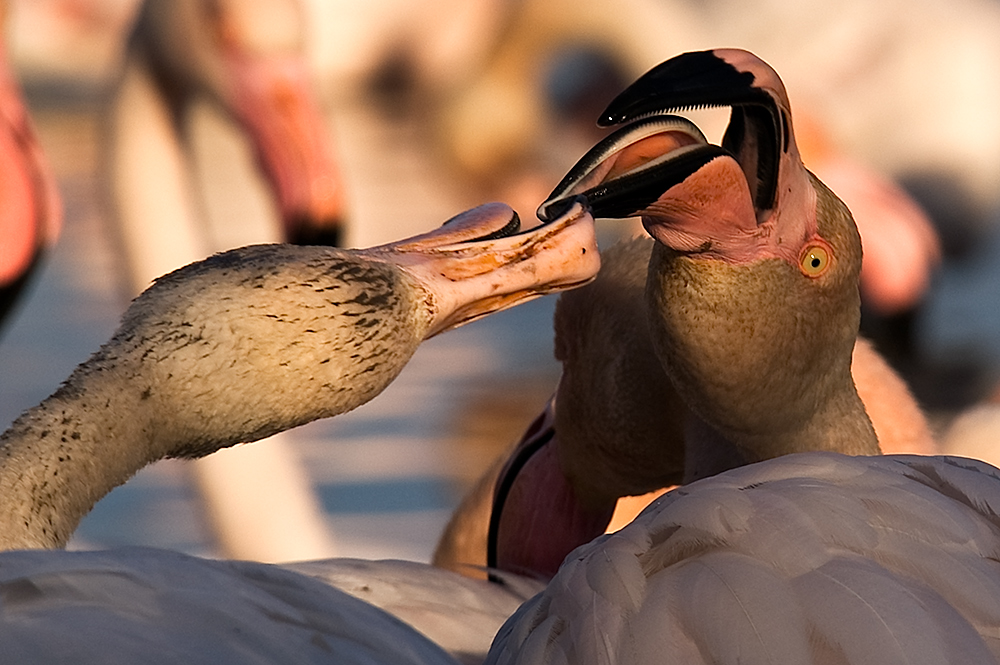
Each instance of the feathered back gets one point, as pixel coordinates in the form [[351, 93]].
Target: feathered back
[[811, 558]]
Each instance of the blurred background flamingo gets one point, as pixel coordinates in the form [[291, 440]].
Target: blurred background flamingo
[[32, 211], [204, 82]]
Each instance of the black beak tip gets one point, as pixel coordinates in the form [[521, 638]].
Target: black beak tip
[[696, 79], [556, 208], [512, 227], [304, 232]]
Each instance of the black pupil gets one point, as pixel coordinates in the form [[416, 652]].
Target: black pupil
[[815, 262]]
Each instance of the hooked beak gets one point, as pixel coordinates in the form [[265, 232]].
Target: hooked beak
[[628, 171], [481, 262]]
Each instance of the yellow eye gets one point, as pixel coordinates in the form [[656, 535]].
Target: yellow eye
[[815, 260]]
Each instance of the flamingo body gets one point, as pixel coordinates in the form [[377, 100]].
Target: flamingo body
[[155, 606], [731, 569]]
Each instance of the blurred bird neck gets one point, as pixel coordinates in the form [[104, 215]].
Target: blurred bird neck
[[538, 516]]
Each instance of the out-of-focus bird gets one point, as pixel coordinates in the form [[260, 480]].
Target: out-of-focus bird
[[248, 60], [31, 211]]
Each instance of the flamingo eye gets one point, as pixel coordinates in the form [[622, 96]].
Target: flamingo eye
[[815, 259]]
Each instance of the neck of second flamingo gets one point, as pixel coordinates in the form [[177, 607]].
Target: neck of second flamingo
[[537, 515]]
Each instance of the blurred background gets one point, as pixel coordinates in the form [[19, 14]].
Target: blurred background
[[432, 107]]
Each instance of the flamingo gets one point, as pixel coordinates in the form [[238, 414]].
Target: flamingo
[[247, 59], [611, 405], [232, 349], [793, 539], [612, 436]]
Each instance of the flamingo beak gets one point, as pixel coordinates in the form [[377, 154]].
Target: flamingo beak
[[277, 106], [480, 261], [629, 170]]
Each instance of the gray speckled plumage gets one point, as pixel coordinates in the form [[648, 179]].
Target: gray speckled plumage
[[261, 339]]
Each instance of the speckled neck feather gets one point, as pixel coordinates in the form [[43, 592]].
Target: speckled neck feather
[[259, 339]]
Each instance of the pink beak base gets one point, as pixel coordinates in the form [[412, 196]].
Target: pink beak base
[[471, 278]]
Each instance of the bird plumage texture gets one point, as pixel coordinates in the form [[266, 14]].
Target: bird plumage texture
[[809, 558], [154, 606]]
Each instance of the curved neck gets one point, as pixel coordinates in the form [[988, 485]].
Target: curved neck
[[840, 425], [230, 350], [538, 517], [61, 457]]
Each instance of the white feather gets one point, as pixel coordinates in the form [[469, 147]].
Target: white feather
[[808, 558], [155, 606]]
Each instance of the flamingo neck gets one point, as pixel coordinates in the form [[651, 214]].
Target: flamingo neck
[[840, 424], [59, 458], [538, 516], [230, 350]]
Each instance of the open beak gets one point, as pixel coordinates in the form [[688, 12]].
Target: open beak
[[632, 168], [480, 261]]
